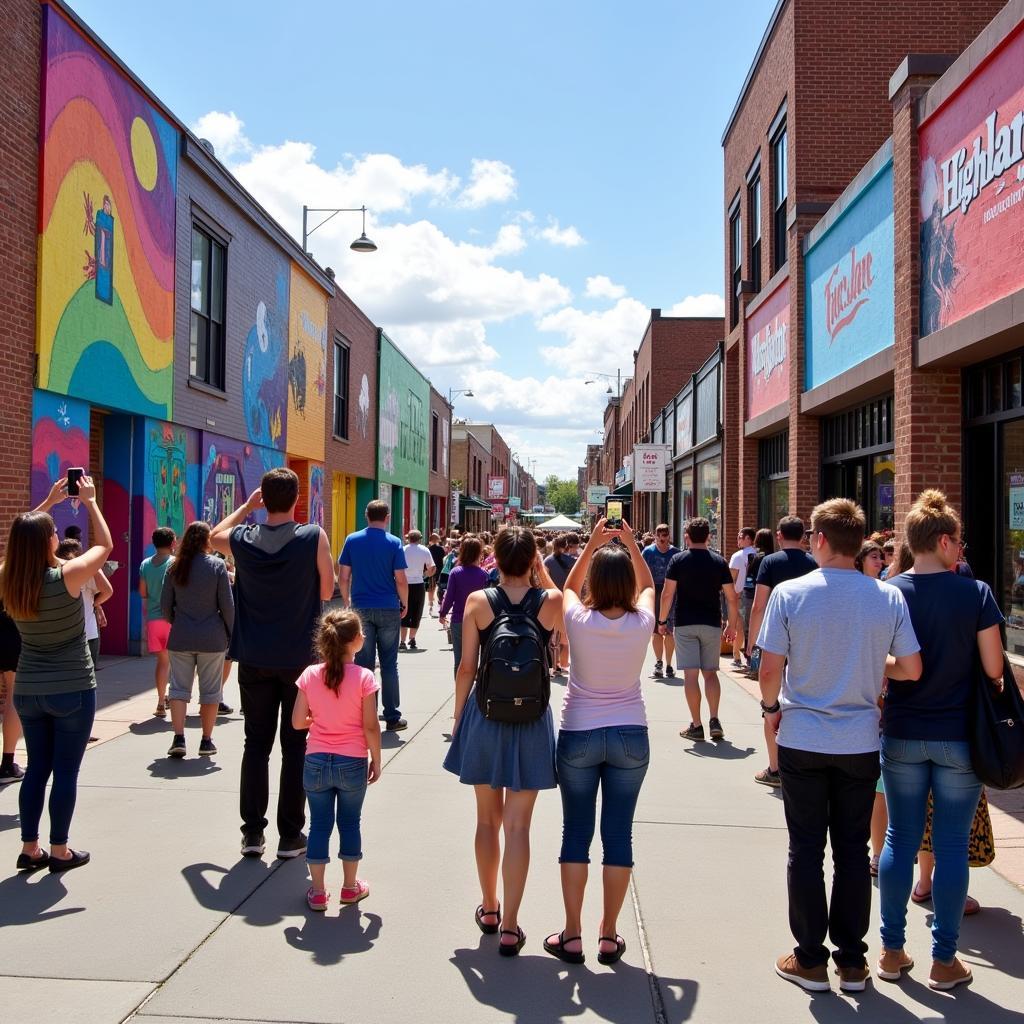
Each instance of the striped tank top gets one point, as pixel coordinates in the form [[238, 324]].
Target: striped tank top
[[55, 656]]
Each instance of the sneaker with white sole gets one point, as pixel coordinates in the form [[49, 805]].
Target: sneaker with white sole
[[853, 979], [943, 977], [287, 849], [811, 979], [658, 670], [892, 963], [355, 893], [253, 844], [317, 899], [13, 774]]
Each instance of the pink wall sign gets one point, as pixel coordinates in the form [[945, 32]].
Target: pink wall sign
[[972, 192], [768, 353]]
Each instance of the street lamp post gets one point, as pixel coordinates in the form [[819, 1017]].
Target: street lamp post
[[617, 378], [361, 244], [452, 392]]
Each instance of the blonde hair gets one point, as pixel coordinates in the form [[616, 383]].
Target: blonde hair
[[842, 522], [929, 518]]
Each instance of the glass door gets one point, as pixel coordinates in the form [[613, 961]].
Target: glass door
[[709, 497], [1012, 589]]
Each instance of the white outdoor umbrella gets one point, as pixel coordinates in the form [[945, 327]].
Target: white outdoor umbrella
[[559, 523]]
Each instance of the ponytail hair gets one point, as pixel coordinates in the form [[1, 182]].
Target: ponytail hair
[[929, 518], [335, 631]]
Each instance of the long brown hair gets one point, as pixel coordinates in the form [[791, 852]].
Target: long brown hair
[[193, 543], [334, 632], [611, 580], [515, 548], [28, 557]]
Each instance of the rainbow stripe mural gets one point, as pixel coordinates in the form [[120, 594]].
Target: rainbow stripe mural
[[106, 255]]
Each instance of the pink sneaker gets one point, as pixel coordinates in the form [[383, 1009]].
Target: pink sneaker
[[317, 899], [355, 893]]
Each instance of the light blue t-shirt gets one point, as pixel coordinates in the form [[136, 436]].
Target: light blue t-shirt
[[657, 561], [835, 627], [373, 555], [154, 573]]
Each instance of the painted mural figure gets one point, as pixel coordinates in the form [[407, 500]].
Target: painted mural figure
[[100, 265], [316, 495], [168, 467], [297, 380], [364, 406], [938, 254], [263, 389]]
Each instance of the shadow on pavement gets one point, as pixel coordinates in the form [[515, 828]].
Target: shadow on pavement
[[723, 750], [122, 678], [994, 936], [182, 768], [537, 989], [328, 939], [390, 740], [234, 886], [9, 822], [27, 899], [151, 726]]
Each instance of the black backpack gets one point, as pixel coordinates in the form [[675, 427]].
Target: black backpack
[[513, 684]]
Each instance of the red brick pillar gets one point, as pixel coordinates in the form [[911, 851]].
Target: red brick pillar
[[732, 426], [804, 431], [928, 429], [747, 462]]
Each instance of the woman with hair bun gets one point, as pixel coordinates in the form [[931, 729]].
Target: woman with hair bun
[[506, 764], [925, 738]]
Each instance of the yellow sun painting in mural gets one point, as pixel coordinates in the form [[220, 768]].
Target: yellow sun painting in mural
[[144, 154]]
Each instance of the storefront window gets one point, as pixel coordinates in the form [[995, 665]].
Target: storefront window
[[883, 476], [1012, 598], [684, 504], [709, 497], [774, 501]]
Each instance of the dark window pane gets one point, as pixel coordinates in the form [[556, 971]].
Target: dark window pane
[[1013, 391], [200, 265], [217, 269]]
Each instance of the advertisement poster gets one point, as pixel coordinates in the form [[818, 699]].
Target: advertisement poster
[[768, 353], [498, 509], [1017, 508], [597, 493], [972, 192], [403, 450], [454, 518], [497, 487], [649, 463], [850, 299]]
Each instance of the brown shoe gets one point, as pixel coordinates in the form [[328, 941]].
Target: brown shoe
[[892, 963], [853, 979], [946, 976], [812, 979]]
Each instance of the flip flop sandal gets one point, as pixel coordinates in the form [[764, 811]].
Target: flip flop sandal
[[620, 948], [919, 897], [971, 907], [557, 949], [487, 929], [512, 948]]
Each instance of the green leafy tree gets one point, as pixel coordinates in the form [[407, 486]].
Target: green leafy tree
[[563, 494]]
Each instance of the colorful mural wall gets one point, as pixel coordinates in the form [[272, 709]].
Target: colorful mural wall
[[170, 477], [307, 366], [106, 256], [404, 397], [60, 439], [768, 353], [265, 365], [316, 494], [230, 471]]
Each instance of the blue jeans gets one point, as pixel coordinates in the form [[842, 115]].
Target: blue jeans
[[335, 787], [910, 768], [56, 729], [382, 627], [456, 628], [614, 758]]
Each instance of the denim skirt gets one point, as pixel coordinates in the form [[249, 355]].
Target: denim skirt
[[516, 757]]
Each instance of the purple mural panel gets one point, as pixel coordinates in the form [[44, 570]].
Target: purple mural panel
[[60, 439], [231, 471]]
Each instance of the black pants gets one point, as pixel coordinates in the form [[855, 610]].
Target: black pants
[[268, 694], [413, 614], [829, 796]]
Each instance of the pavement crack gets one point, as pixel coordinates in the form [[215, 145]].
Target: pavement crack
[[653, 981]]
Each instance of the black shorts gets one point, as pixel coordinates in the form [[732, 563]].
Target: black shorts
[[671, 616], [414, 612]]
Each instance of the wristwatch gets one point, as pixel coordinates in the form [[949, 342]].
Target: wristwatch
[[770, 709], [662, 622]]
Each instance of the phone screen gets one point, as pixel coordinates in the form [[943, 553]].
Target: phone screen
[[613, 513], [75, 473]]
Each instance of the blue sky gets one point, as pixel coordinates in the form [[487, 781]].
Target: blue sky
[[539, 174]]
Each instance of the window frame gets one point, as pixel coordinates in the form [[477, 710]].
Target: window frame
[[735, 261], [435, 443], [215, 375], [344, 349], [780, 195], [754, 247]]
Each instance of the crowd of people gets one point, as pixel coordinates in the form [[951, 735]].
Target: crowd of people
[[864, 651]]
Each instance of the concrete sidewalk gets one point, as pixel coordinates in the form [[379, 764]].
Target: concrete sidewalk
[[170, 924]]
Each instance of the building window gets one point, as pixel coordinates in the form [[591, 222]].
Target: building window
[[209, 280], [754, 228], [780, 193], [435, 430], [341, 357], [736, 262]]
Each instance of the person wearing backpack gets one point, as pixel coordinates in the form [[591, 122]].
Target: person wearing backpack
[[503, 739], [602, 739]]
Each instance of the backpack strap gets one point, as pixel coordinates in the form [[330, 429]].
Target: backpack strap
[[498, 600]]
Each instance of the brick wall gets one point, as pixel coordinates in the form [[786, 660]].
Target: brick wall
[[21, 31], [440, 481]]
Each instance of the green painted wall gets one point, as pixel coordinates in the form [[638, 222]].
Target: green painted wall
[[404, 414]]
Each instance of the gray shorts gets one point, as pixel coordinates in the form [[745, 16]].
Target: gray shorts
[[698, 647], [185, 665]]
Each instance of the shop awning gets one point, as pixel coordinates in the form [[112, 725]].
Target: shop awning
[[468, 501], [625, 491]]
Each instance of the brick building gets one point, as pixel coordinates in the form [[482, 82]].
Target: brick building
[[807, 169], [471, 460], [439, 490], [611, 452]]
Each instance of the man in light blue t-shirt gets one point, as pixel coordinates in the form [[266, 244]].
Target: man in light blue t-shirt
[[372, 579], [838, 633]]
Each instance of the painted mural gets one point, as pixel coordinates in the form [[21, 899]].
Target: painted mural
[[316, 494], [106, 254], [170, 477], [404, 396], [265, 367], [307, 366], [768, 353], [231, 471], [60, 439], [363, 421]]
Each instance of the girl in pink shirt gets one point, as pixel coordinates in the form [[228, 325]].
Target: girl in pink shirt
[[337, 702]]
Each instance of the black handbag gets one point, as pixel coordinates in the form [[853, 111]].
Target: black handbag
[[997, 731]]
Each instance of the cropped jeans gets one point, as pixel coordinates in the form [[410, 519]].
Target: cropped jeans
[[335, 787], [382, 629], [910, 769], [56, 728], [614, 759]]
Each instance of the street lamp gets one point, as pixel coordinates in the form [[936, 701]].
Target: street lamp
[[452, 392], [617, 377], [361, 244]]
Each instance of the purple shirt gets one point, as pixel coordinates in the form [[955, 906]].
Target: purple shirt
[[462, 581], [604, 671]]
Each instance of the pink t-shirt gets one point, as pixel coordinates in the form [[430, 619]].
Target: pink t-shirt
[[337, 726], [604, 668]]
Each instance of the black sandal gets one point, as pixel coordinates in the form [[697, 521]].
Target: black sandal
[[487, 929], [512, 948], [620, 948], [561, 952]]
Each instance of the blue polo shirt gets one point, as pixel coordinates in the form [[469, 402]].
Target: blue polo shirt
[[373, 555]]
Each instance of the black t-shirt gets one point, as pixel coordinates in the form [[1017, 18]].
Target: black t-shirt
[[787, 564], [699, 576], [947, 612], [750, 580], [437, 553]]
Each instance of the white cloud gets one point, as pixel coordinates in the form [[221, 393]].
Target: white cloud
[[225, 131], [602, 340], [510, 240], [555, 402], [707, 304], [490, 181], [601, 287], [567, 237]]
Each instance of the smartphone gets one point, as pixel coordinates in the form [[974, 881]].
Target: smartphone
[[613, 513], [75, 473]]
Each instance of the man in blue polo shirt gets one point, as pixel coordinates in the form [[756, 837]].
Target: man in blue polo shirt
[[372, 580]]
